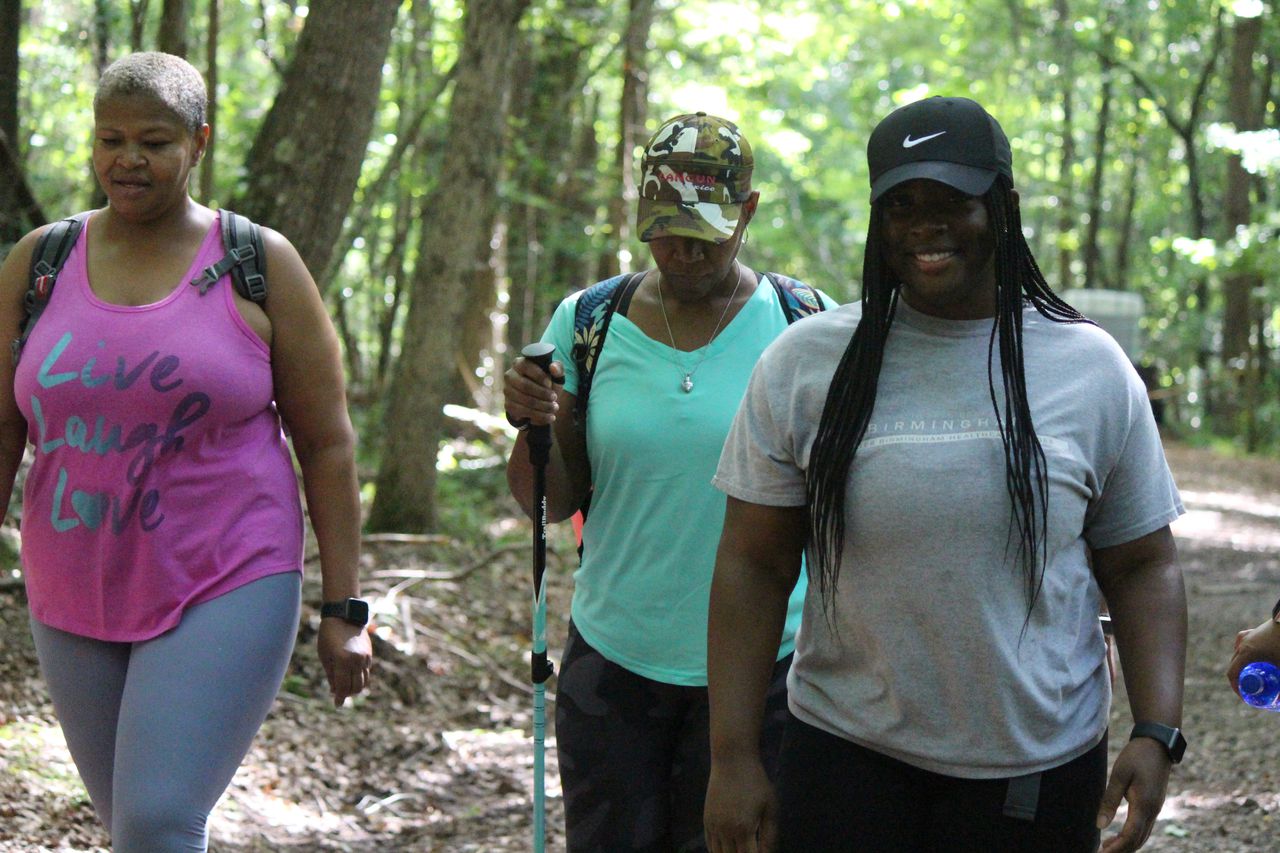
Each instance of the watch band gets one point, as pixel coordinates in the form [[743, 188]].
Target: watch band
[[1275, 612], [1167, 736], [352, 610]]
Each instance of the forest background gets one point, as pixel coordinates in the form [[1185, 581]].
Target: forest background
[[451, 169]]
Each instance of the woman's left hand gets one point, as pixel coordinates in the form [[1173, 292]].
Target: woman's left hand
[[346, 654]]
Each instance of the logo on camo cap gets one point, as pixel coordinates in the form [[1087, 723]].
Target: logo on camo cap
[[694, 176]]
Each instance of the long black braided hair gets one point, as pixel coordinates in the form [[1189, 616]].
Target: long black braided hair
[[852, 395]]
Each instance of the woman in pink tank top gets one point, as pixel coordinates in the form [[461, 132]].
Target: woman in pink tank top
[[161, 522]]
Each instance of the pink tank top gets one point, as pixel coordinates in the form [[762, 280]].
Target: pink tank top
[[160, 474]]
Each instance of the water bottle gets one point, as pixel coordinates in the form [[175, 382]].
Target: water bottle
[[1260, 685]]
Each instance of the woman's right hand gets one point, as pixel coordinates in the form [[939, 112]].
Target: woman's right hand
[[740, 815], [1258, 644], [529, 392]]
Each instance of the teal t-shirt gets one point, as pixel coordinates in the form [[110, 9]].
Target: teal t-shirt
[[642, 591]]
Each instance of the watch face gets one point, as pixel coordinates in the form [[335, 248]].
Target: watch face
[[357, 611]]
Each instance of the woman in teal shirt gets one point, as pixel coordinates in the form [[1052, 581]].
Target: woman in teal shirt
[[631, 713]]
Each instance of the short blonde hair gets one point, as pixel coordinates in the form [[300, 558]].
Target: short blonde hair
[[169, 79]]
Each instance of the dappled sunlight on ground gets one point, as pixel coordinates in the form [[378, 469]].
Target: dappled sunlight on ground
[[1231, 520], [439, 757]]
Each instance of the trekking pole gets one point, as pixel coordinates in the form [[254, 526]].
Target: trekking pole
[[541, 669]]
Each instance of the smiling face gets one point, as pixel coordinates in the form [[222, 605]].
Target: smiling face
[[939, 246], [143, 155]]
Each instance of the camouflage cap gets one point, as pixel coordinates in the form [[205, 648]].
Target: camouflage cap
[[694, 176]]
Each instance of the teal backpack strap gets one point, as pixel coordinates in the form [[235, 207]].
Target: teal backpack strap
[[798, 300], [52, 249], [595, 309], [245, 259]]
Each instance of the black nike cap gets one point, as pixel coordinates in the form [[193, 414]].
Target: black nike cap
[[952, 140]]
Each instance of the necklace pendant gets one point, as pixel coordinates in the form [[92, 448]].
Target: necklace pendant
[[687, 385]]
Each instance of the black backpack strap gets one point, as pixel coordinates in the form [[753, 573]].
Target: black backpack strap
[[798, 299], [245, 259], [595, 309], [51, 252]]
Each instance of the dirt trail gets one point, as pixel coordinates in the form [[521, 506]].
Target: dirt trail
[[1225, 796], [439, 759]]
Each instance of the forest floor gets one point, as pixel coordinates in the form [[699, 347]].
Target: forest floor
[[439, 757]]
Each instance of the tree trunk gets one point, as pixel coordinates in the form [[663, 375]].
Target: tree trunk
[[477, 346], [173, 28], [631, 135], [536, 70], [1092, 252], [545, 231], [593, 263], [1238, 287], [10, 27], [207, 164], [1124, 251], [455, 216], [21, 212], [305, 161], [137, 23], [102, 15], [395, 268], [12, 219], [1066, 192], [1185, 129], [1241, 105]]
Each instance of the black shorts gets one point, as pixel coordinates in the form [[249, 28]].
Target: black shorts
[[635, 753], [837, 796]]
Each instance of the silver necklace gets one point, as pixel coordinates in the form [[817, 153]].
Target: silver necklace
[[686, 384]]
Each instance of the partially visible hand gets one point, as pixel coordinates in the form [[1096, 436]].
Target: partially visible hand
[[1140, 776], [740, 815], [1110, 644], [346, 654], [1259, 644], [528, 392]]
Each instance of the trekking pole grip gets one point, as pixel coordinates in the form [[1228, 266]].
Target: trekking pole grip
[[541, 354]]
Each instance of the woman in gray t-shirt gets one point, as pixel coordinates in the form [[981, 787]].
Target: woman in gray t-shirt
[[973, 469]]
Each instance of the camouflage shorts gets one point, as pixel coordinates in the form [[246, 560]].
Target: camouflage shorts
[[634, 753]]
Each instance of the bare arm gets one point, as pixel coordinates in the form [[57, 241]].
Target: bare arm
[[1143, 587], [13, 427], [530, 394], [757, 565], [311, 396]]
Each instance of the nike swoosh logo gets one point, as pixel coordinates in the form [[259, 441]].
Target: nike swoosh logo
[[912, 143]]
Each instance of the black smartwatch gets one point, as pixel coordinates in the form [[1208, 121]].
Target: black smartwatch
[[353, 610], [1167, 736]]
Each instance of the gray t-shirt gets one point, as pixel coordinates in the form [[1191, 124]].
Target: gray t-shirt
[[925, 656]]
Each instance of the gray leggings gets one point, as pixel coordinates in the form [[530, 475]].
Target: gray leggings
[[157, 728]]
